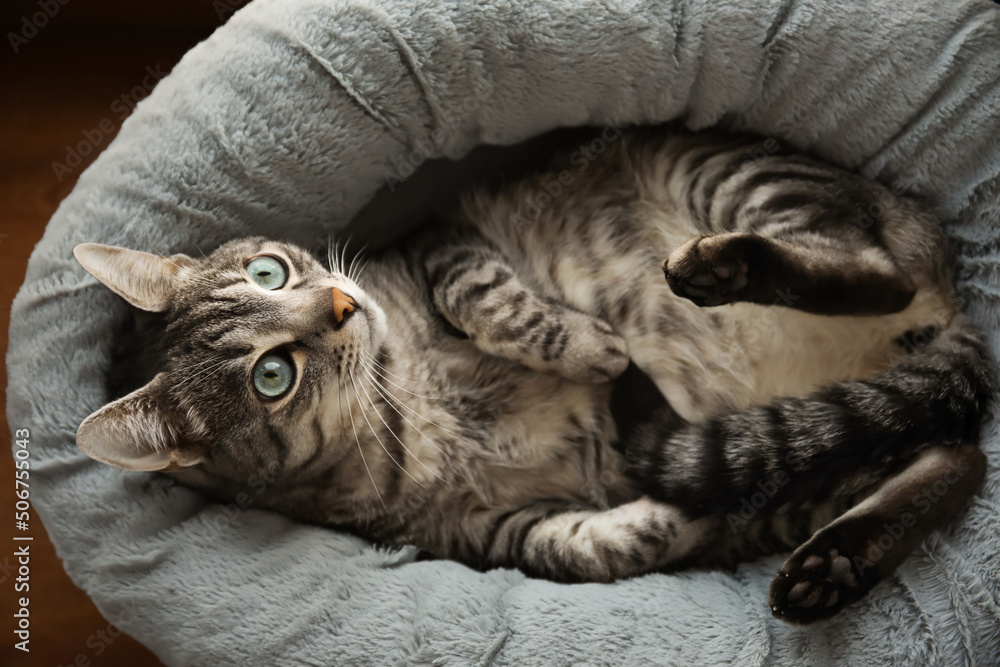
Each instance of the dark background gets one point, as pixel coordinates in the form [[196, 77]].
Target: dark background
[[63, 85]]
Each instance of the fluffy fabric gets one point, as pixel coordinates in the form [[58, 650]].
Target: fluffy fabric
[[288, 120]]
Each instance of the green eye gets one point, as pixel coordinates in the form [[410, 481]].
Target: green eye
[[273, 375], [268, 272]]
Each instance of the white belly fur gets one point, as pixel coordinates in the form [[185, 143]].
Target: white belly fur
[[775, 351]]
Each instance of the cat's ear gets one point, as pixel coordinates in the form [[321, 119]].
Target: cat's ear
[[145, 280], [141, 431]]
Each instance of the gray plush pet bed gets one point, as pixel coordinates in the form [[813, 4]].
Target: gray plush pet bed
[[288, 120]]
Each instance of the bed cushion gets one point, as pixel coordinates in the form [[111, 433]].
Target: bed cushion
[[292, 116]]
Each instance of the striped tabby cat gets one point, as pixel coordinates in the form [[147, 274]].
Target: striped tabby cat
[[801, 380]]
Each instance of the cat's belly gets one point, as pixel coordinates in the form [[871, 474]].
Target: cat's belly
[[793, 353], [710, 361], [731, 357]]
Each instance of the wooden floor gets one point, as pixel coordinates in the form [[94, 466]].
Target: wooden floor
[[56, 91]]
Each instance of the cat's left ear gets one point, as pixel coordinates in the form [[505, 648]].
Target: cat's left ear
[[145, 280], [142, 431]]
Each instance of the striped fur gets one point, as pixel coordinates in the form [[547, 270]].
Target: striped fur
[[800, 372]]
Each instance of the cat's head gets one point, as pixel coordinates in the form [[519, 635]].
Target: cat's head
[[259, 337]]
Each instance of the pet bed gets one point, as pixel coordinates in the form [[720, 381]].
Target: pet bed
[[290, 118]]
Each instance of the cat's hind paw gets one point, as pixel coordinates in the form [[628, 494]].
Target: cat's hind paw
[[817, 581], [708, 270]]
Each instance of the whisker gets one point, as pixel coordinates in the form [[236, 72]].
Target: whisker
[[214, 372], [353, 274], [197, 279], [350, 267], [200, 376], [205, 257], [331, 253], [383, 370], [170, 259], [360, 451], [417, 414], [340, 407], [429, 398], [387, 396], [343, 254], [405, 448], [360, 270], [364, 413], [200, 364]]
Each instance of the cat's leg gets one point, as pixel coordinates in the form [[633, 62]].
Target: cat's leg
[[813, 273], [558, 541], [782, 229], [844, 560], [477, 291]]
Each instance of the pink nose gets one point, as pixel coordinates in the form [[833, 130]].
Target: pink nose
[[342, 305]]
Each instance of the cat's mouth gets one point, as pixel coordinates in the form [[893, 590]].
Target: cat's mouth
[[354, 320]]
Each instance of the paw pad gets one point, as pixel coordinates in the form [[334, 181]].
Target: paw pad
[[813, 585], [708, 270]]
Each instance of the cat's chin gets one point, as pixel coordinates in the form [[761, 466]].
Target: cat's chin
[[378, 327], [370, 328]]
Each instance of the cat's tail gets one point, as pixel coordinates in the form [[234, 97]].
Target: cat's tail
[[805, 450]]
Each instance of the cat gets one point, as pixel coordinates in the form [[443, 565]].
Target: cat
[[695, 349]]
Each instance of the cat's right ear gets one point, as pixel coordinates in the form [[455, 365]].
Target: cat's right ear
[[142, 431], [145, 280]]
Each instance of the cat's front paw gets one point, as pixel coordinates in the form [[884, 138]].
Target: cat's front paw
[[818, 580], [708, 270], [592, 352]]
